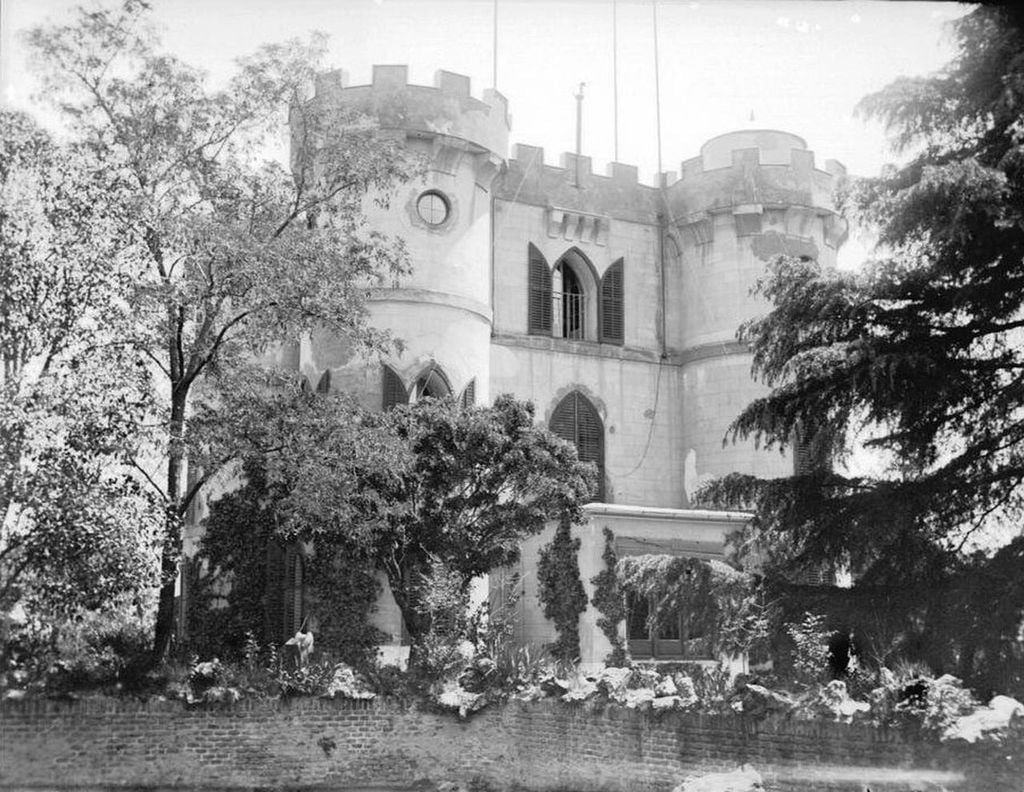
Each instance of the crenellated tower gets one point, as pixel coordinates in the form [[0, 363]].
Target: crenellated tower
[[748, 197], [442, 311]]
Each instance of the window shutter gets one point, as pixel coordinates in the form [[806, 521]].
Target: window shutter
[[273, 626], [393, 390], [468, 398], [539, 288], [324, 384], [576, 420], [612, 326], [288, 604]]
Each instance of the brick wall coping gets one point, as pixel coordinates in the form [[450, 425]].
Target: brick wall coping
[[737, 723]]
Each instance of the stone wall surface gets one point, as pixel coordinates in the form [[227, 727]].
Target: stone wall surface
[[101, 744]]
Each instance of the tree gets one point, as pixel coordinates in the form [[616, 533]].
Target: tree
[[426, 484], [921, 352], [76, 528], [229, 253]]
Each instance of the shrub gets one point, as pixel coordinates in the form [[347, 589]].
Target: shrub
[[561, 590]]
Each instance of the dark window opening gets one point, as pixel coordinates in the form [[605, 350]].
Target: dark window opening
[[568, 306], [432, 384], [674, 634]]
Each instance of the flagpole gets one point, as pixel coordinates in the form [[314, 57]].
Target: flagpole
[[615, 75], [494, 48]]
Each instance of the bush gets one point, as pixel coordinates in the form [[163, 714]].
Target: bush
[[105, 650]]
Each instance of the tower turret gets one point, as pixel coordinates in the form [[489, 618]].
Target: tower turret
[[442, 311], [749, 196]]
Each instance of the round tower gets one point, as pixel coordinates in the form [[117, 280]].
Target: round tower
[[441, 311], [748, 197]]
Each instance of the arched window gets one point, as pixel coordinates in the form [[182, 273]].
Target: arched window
[[612, 318], [538, 321], [575, 419], [432, 384]]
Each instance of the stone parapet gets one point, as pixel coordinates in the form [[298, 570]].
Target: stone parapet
[[445, 109]]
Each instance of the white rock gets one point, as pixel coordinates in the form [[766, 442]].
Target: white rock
[[662, 703], [636, 699], [580, 689], [996, 716], [346, 684], [746, 779], [454, 697], [665, 687], [685, 689]]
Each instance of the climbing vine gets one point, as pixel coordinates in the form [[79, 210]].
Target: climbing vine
[[609, 599], [228, 581], [719, 600], [561, 590]]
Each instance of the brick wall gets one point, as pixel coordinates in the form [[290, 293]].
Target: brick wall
[[539, 746]]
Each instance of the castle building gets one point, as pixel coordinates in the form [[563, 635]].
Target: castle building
[[610, 304]]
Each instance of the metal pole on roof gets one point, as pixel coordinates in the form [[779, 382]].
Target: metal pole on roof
[[579, 130], [657, 85], [494, 48], [615, 76]]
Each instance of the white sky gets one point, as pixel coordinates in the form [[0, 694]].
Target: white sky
[[799, 65]]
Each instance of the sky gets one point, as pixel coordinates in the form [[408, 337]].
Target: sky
[[799, 65]]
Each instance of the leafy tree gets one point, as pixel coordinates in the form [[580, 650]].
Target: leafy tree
[[424, 484], [76, 527], [921, 352], [228, 252]]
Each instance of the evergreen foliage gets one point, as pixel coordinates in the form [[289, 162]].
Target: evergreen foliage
[[228, 600], [561, 590], [610, 601], [919, 356]]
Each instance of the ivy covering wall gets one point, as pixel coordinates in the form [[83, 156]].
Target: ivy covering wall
[[561, 590], [720, 600], [231, 591], [610, 600]]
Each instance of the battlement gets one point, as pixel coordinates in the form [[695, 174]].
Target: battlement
[[569, 164], [747, 172], [755, 148], [445, 109], [573, 185]]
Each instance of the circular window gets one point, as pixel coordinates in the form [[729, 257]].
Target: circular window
[[432, 208]]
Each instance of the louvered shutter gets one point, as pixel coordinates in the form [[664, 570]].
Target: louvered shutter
[[576, 420], [294, 591], [273, 627], [803, 463], [393, 389], [590, 440], [468, 398], [612, 326], [539, 314], [324, 385]]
